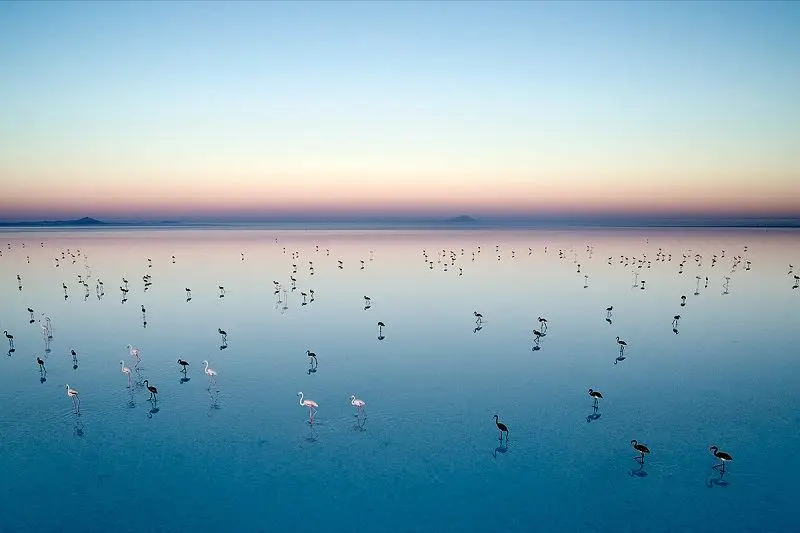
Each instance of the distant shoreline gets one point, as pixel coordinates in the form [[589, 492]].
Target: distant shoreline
[[463, 222], [115, 226]]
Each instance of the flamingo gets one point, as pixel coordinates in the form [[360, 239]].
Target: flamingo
[[641, 448], [125, 370], [9, 337], [134, 353], [76, 400], [41, 363], [622, 345], [312, 407], [358, 404], [153, 390], [478, 316], [543, 322], [595, 395], [502, 427], [722, 456], [312, 357], [183, 363], [211, 373]]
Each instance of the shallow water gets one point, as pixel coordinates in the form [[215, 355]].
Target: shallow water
[[241, 454]]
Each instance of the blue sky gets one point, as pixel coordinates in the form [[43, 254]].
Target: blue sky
[[191, 109]]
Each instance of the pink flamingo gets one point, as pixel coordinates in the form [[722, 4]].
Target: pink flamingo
[[358, 404], [135, 354], [76, 400], [211, 373], [312, 407], [125, 370]]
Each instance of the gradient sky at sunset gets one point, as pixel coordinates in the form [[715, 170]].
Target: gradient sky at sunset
[[259, 109]]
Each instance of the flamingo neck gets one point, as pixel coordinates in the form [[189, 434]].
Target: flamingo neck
[[301, 398]]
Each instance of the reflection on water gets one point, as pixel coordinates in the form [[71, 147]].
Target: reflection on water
[[433, 378]]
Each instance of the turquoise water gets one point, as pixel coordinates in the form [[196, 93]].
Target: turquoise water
[[241, 455]]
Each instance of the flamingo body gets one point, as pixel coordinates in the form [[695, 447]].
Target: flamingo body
[[310, 404], [358, 404], [500, 426]]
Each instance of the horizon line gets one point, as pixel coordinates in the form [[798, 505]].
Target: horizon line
[[458, 221]]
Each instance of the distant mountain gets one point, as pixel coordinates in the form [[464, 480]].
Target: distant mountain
[[461, 219], [85, 221]]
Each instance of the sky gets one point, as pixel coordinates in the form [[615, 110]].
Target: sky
[[269, 110]]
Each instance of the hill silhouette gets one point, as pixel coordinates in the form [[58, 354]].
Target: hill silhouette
[[85, 221]]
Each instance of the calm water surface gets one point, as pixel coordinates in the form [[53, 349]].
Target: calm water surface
[[241, 455]]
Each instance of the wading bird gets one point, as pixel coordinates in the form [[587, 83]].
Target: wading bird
[[358, 404], [312, 407], [153, 390], [622, 345], [724, 457], [73, 395], [501, 427], [312, 357], [641, 448], [211, 373], [595, 395], [127, 371]]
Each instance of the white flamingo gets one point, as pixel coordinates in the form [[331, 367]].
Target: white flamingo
[[76, 400], [46, 325], [358, 404], [312, 407], [211, 373], [125, 370], [134, 353]]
